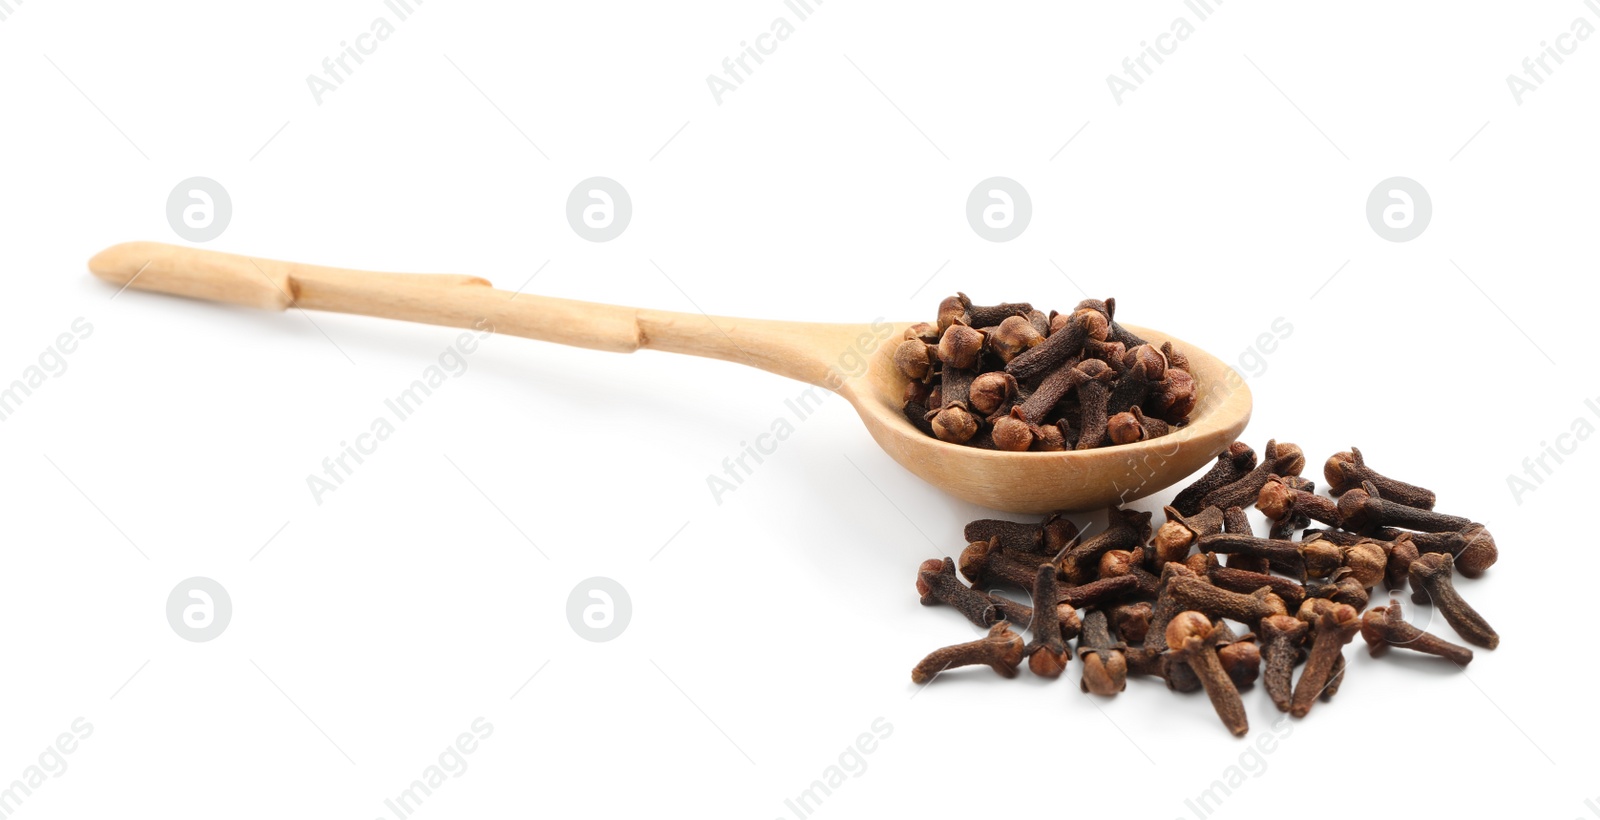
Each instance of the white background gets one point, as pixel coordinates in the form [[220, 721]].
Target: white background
[[769, 630]]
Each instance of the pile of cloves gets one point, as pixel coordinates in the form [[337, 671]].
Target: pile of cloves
[[1165, 601], [1010, 377]]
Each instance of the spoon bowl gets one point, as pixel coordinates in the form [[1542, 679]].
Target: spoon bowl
[[856, 361]]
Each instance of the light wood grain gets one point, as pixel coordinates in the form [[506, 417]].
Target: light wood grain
[[829, 355]]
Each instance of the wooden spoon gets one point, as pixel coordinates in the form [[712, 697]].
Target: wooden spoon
[[855, 361]]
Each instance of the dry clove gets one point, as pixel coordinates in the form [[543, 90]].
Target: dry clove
[[1362, 508], [1241, 661], [1194, 593], [1000, 650], [937, 584], [991, 391], [1132, 621], [1431, 581], [1174, 538], [1348, 470], [1014, 335], [1046, 653], [1105, 668], [1278, 500], [1133, 425], [1384, 627], [1332, 626], [985, 564], [1340, 588], [1282, 636], [1192, 638], [1099, 591], [1059, 346], [1305, 559], [1126, 529], [1048, 537], [953, 423], [1244, 581], [1277, 459], [1234, 463], [1125, 562], [1472, 546]]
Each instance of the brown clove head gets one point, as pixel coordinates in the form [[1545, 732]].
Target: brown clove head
[[1105, 673], [1375, 629], [1479, 552], [1174, 397], [913, 359], [1276, 499], [1174, 538], [1242, 661], [1431, 568], [1095, 323], [1321, 557], [990, 390], [930, 566], [953, 424], [1124, 428], [1048, 663], [1014, 335], [1132, 621], [960, 347], [1187, 625], [1013, 432], [1048, 439], [1366, 562], [922, 331], [952, 310]]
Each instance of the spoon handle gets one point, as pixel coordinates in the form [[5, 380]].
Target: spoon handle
[[798, 350]]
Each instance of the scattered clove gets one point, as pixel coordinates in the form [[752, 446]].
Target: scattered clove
[[937, 584], [1234, 463], [1192, 636], [1472, 546], [1174, 538], [1282, 636], [1278, 500], [1384, 627], [1126, 529], [1198, 594], [1046, 653], [1238, 580], [1348, 471], [1131, 621], [1000, 650], [1363, 508], [1332, 626], [1431, 581], [1105, 668], [1277, 459]]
